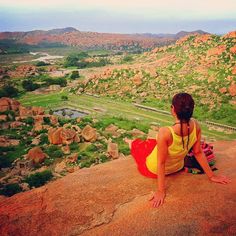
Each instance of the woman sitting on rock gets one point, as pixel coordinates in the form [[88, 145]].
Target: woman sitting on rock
[[157, 158]]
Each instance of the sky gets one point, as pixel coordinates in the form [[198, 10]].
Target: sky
[[119, 16]]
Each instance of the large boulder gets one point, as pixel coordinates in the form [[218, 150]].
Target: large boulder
[[36, 155], [223, 90], [37, 111], [6, 142], [25, 111], [232, 89], [3, 117], [8, 104], [233, 49], [54, 136], [16, 124], [89, 133], [62, 136], [216, 51], [112, 150], [137, 80], [68, 136], [234, 70]]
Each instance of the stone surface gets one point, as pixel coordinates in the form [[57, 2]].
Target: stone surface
[[112, 199], [62, 136], [16, 124], [60, 167], [36, 155], [3, 117], [8, 104], [112, 150], [89, 133], [6, 142], [232, 89]]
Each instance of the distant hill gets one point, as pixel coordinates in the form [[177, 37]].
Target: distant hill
[[174, 36], [91, 40]]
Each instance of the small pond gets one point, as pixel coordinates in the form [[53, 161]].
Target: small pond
[[69, 113]]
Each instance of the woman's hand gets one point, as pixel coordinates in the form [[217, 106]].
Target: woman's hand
[[157, 198], [220, 179]]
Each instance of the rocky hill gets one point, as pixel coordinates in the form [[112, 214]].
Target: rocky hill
[[112, 199], [203, 65], [89, 40]]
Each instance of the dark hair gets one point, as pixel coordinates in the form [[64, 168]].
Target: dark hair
[[183, 104]]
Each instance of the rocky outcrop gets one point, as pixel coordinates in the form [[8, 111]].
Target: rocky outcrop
[[24, 71], [216, 51], [8, 104], [112, 150], [233, 49], [30, 111], [62, 136], [230, 35], [232, 89], [113, 197], [36, 155], [89, 133], [3, 117], [7, 142]]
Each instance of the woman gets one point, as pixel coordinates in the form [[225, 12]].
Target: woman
[[166, 155]]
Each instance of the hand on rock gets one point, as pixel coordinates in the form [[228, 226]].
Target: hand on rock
[[220, 179], [157, 199]]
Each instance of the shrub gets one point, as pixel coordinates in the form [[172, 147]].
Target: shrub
[[74, 147], [72, 60], [47, 120], [8, 91], [64, 97], [10, 189], [28, 85], [44, 139], [38, 179], [103, 158], [42, 63], [127, 58], [54, 151], [74, 74], [29, 120]]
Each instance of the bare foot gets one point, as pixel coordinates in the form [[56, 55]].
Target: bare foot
[[128, 141]]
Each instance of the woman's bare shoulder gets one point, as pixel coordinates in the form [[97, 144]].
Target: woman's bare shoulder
[[198, 127], [164, 132]]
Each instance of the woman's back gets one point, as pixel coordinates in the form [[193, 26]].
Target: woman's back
[[178, 147]]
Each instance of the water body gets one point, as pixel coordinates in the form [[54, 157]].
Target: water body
[[69, 113], [45, 56]]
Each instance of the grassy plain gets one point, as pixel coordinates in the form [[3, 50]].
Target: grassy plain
[[102, 108]]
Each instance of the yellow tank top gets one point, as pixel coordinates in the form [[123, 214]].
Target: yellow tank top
[[176, 153]]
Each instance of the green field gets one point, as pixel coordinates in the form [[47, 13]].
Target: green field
[[108, 107]]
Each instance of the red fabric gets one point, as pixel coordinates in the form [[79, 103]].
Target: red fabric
[[140, 150]]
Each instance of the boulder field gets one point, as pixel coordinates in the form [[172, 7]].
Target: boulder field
[[112, 199]]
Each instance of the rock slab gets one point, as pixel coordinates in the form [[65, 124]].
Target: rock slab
[[112, 199]]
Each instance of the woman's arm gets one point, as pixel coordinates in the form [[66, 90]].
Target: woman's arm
[[200, 157], [158, 198]]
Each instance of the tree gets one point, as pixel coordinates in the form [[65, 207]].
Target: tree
[[8, 91], [73, 59], [28, 85], [42, 63]]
